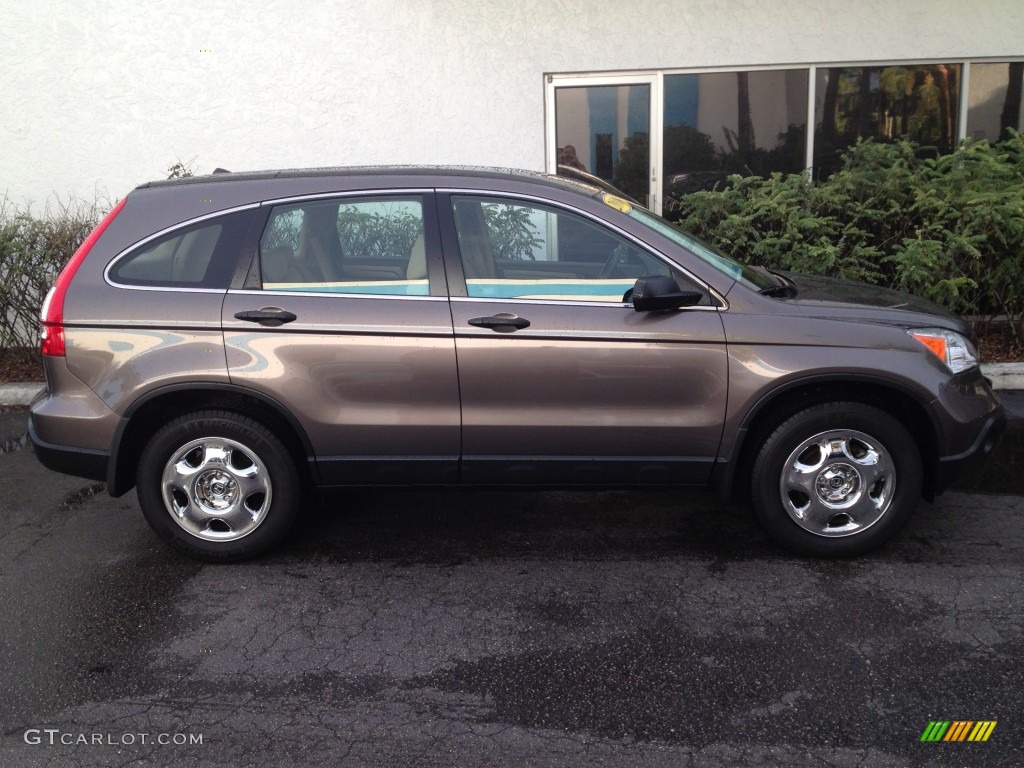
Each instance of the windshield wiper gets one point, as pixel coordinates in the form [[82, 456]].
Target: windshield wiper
[[784, 288], [777, 291]]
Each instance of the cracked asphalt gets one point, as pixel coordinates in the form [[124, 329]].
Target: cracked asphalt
[[492, 629]]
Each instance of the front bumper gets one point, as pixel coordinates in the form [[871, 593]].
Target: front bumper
[[975, 418], [951, 468]]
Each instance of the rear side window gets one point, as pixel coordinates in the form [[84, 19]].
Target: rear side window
[[351, 245], [199, 256]]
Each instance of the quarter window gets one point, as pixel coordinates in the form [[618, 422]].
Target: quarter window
[[350, 245], [511, 249], [199, 256]]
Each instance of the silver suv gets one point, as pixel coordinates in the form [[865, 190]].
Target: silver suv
[[222, 342]]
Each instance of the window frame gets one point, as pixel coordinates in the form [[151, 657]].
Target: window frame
[[656, 79], [437, 286]]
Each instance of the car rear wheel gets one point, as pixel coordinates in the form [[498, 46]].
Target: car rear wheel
[[218, 486], [836, 479]]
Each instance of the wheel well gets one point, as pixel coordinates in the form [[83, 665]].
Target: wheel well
[[902, 407], [154, 413]]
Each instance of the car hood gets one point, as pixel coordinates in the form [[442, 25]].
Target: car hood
[[829, 297]]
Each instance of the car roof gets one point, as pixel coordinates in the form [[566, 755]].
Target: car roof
[[438, 171]]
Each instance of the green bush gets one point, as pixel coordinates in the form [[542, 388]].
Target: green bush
[[949, 228], [32, 252]]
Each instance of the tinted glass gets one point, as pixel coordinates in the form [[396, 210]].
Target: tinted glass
[[995, 100], [200, 256], [716, 124], [512, 249], [352, 245], [605, 131], [729, 267], [885, 104]]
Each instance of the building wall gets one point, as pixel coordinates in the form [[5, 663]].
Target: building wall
[[104, 94]]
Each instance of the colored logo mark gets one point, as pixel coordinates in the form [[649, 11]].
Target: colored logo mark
[[958, 730]]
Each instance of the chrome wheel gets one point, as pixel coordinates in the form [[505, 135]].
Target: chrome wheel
[[838, 483], [216, 489]]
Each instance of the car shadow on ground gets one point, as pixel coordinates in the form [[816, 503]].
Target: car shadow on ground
[[449, 527]]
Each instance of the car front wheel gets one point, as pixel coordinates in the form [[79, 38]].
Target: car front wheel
[[836, 479], [218, 486]]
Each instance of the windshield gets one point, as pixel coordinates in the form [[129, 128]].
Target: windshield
[[706, 253]]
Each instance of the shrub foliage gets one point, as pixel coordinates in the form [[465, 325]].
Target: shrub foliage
[[950, 228], [32, 251]]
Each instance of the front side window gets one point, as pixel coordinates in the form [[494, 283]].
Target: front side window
[[350, 245], [518, 250]]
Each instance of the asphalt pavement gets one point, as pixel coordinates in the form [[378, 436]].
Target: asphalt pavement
[[491, 629]]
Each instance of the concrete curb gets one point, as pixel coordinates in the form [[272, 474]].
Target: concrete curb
[[20, 393], [1006, 376]]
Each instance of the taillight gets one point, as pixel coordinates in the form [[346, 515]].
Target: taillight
[[52, 333]]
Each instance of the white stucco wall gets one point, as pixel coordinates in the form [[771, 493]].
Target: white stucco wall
[[109, 93]]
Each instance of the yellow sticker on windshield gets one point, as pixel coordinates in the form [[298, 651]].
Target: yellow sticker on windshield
[[617, 203]]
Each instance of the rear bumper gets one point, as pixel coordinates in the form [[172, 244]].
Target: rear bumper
[[71, 431], [80, 462]]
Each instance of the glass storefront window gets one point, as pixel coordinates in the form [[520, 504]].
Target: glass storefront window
[[604, 130], [720, 123], [657, 136], [995, 100], [884, 103]]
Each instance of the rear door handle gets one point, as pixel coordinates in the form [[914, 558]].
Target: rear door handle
[[268, 316], [503, 321]]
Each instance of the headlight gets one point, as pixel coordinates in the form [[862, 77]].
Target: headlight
[[950, 347]]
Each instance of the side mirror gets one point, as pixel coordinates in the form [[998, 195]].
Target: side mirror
[[651, 294]]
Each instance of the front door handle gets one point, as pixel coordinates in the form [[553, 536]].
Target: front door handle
[[503, 321], [267, 316]]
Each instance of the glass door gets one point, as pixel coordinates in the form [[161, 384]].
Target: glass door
[[602, 127]]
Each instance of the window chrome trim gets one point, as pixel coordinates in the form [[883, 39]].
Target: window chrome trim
[[331, 294], [124, 253], [569, 302], [604, 223], [396, 192], [166, 289], [160, 233]]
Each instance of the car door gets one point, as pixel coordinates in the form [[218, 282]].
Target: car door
[[344, 320], [562, 381]]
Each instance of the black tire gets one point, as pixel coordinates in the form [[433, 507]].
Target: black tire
[[837, 479], [218, 486]]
